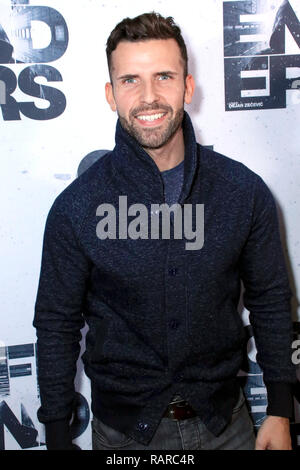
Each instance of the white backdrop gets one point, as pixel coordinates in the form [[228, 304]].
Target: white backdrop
[[40, 157]]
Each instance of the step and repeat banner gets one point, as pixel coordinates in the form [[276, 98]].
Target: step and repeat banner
[[55, 122]]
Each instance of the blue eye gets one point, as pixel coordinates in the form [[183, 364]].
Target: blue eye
[[164, 77], [129, 80]]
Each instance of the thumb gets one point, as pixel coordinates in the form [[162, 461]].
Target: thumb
[[260, 444]]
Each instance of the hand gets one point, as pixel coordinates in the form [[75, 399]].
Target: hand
[[274, 434]]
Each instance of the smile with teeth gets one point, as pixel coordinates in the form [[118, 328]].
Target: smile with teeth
[[151, 117]]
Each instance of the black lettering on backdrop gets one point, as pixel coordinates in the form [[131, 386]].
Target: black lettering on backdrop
[[26, 436], [12, 368], [255, 75], [10, 110], [28, 85], [18, 47], [21, 48]]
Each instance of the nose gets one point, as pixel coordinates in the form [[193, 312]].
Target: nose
[[149, 92]]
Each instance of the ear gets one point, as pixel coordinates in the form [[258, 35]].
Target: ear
[[109, 94], [189, 89]]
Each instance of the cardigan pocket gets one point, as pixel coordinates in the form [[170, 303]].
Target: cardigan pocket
[[214, 324]]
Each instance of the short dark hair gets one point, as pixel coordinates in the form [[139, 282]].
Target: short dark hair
[[145, 27]]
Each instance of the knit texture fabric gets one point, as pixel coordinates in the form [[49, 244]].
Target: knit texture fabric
[[162, 318]]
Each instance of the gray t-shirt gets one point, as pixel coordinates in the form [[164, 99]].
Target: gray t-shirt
[[173, 180]]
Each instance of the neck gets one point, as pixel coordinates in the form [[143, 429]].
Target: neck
[[171, 154]]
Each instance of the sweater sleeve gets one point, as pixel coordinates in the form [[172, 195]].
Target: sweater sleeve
[[267, 293], [58, 436], [280, 400], [58, 317]]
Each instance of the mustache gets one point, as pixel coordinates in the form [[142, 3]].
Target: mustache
[[153, 107]]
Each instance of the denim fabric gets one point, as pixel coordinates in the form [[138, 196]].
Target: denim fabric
[[188, 434]]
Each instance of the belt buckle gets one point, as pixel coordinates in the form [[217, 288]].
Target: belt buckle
[[176, 403], [179, 410]]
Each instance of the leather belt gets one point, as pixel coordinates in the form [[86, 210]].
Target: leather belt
[[179, 410]]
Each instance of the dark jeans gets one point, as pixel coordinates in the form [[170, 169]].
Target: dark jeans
[[188, 434]]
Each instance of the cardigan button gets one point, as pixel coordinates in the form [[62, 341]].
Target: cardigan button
[[174, 324], [173, 271], [178, 377], [142, 426]]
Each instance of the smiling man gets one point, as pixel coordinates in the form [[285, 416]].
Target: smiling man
[[148, 89], [165, 340]]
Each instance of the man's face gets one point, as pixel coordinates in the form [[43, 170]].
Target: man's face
[[148, 89]]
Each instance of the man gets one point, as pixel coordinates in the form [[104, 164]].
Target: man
[[165, 340]]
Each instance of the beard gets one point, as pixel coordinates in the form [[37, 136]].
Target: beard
[[153, 138]]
